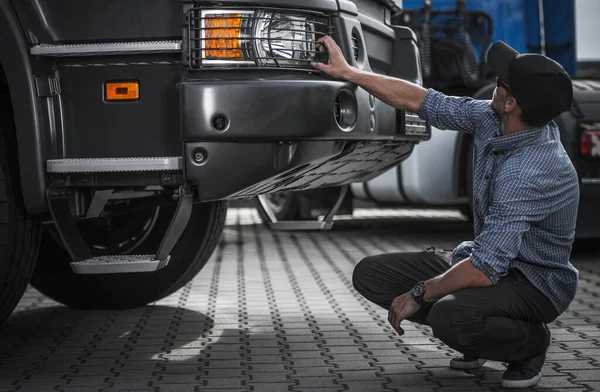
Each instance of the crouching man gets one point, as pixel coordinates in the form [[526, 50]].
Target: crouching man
[[490, 298]]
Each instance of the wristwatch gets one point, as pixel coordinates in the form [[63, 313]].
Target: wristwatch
[[418, 293]]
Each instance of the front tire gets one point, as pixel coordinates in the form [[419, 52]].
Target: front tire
[[54, 278], [19, 231]]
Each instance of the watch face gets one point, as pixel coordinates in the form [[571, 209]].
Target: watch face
[[417, 290]]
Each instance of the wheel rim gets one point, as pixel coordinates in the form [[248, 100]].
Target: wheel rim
[[118, 234]]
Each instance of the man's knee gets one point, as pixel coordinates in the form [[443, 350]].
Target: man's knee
[[456, 324], [361, 272]]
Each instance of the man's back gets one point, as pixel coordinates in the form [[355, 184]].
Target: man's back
[[548, 241], [525, 197]]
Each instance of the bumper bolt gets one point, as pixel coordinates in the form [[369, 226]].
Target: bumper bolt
[[220, 122], [199, 156]]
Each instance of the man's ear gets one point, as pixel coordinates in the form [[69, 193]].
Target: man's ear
[[510, 104]]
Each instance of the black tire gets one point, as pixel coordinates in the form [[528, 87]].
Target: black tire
[[285, 205], [53, 275], [485, 92], [467, 210], [19, 231]]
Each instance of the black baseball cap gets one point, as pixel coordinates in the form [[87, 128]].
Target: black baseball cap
[[541, 86]]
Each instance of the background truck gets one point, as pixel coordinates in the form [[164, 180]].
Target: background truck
[[453, 40], [125, 126]]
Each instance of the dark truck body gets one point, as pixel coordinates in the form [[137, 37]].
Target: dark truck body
[[281, 132], [128, 125]]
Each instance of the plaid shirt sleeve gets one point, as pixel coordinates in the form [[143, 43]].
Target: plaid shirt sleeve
[[515, 204], [452, 113]]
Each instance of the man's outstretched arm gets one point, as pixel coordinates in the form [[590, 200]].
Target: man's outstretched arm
[[441, 111], [398, 93]]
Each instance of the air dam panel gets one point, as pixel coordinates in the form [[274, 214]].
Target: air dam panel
[[239, 170]]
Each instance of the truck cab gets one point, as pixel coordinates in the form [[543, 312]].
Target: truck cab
[[126, 128]]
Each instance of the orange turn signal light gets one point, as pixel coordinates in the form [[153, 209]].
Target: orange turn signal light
[[222, 37], [122, 91]]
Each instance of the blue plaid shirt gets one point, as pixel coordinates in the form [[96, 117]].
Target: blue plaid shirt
[[525, 195]]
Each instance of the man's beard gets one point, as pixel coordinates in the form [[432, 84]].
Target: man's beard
[[497, 106]]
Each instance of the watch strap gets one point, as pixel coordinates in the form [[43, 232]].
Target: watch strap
[[418, 293]]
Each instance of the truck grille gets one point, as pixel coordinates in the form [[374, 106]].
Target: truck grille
[[355, 47], [254, 37]]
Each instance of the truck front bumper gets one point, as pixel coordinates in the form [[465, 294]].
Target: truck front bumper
[[245, 137]]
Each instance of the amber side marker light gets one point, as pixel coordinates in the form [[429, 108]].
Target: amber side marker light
[[122, 91], [222, 37]]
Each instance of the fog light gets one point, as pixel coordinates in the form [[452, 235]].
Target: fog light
[[345, 110]]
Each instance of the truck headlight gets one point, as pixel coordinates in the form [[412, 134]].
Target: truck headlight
[[284, 39], [261, 38]]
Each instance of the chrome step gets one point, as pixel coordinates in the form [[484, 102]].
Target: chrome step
[[114, 165], [119, 264], [302, 225], [109, 48]]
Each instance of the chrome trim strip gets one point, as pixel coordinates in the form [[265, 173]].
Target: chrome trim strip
[[415, 125], [113, 165], [590, 180], [93, 49]]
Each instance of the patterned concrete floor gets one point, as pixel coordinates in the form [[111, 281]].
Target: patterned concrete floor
[[275, 311]]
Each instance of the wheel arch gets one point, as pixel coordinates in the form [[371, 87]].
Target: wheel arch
[[20, 85], [463, 143]]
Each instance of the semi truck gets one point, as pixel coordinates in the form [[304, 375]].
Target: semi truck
[[127, 126]]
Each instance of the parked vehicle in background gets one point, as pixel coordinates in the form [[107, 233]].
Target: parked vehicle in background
[[453, 40], [126, 127]]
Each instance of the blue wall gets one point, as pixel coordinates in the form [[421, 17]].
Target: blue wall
[[516, 22]]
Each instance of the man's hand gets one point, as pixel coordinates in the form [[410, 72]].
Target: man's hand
[[402, 308], [336, 67]]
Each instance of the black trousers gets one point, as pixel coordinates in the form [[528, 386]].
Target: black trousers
[[502, 322]]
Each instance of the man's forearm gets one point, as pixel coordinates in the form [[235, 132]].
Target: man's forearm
[[461, 276], [395, 92]]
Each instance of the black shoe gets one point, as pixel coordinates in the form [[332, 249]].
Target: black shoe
[[527, 374], [466, 363]]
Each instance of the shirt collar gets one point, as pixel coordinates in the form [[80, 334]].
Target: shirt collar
[[515, 140]]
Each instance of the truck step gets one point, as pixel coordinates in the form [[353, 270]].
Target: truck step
[[109, 48], [119, 264], [302, 225], [114, 165]]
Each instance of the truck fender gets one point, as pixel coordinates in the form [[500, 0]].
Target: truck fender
[[14, 59]]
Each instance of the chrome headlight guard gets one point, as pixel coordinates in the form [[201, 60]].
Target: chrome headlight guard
[[255, 38]]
